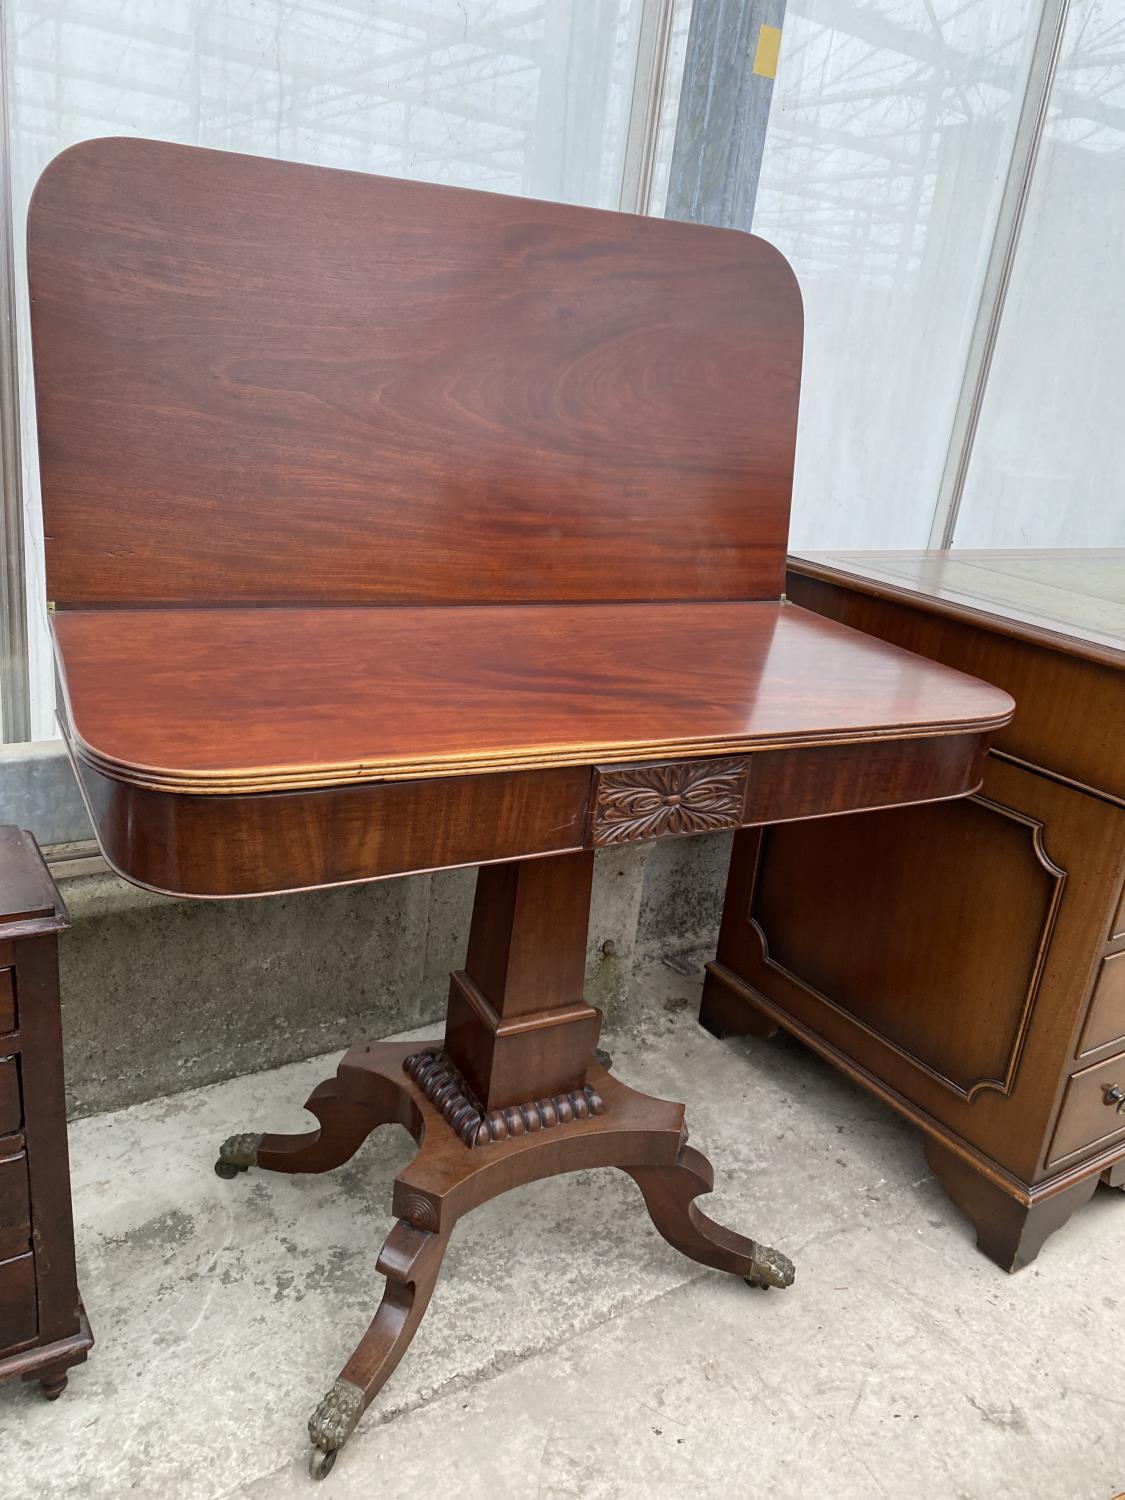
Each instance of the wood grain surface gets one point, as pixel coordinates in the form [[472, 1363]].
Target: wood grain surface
[[381, 516], [1070, 599], [258, 699], [1070, 694], [261, 381]]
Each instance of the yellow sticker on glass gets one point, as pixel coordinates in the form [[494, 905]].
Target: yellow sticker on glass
[[767, 50]]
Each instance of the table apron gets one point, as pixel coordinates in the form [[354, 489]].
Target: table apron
[[233, 845]]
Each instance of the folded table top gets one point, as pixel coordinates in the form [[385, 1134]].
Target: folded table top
[[380, 515], [257, 699]]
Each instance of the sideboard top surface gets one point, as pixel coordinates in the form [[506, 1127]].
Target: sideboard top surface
[[31, 901], [1073, 596], [254, 699]]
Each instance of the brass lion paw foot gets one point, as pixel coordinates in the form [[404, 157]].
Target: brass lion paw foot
[[769, 1268], [237, 1153], [332, 1424]]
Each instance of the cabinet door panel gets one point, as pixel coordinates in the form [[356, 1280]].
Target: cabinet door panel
[[947, 949], [909, 907]]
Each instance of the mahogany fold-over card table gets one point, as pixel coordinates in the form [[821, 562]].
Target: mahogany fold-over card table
[[392, 527]]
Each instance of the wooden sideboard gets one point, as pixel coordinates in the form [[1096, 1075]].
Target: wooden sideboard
[[966, 960]]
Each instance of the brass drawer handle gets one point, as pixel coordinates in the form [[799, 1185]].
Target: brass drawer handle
[[1115, 1095]]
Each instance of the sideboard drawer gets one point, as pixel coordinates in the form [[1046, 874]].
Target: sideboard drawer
[[19, 1317], [11, 1105], [1118, 928], [1106, 1021], [7, 1000], [15, 1207], [1089, 1116]]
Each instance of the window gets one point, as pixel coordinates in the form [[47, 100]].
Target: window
[[1049, 452], [890, 130]]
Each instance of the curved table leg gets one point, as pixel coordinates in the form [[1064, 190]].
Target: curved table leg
[[669, 1193], [345, 1123], [410, 1260], [448, 1178]]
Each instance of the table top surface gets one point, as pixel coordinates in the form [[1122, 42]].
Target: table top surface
[[1075, 594], [250, 699]]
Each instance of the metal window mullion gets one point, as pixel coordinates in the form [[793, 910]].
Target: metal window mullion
[[998, 272], [15, 682], [642, 137], [723, 114]]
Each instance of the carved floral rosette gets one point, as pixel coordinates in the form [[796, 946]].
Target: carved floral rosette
[[650, 802]]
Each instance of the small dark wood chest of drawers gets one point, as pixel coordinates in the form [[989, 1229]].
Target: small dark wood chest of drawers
[[43, 1328]]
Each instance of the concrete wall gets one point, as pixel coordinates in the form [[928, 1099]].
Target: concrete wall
[[161, 995]]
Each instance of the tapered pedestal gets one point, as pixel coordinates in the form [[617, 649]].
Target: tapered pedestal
[[512, 1094]]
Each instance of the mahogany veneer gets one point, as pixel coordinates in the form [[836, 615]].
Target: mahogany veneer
[[365, 723], [399, 393], [242, 700], [392, 527]]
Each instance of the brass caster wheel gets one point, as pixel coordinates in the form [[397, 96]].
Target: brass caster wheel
[[321, 1461], [227, 1169], [604, 1058], [333, 1423], [769, 1268]]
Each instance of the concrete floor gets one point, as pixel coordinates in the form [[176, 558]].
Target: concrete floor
[[568, 1351]]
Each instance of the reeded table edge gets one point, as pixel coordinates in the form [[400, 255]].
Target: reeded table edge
[[640, 752], [298, 776], [472, 862]]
